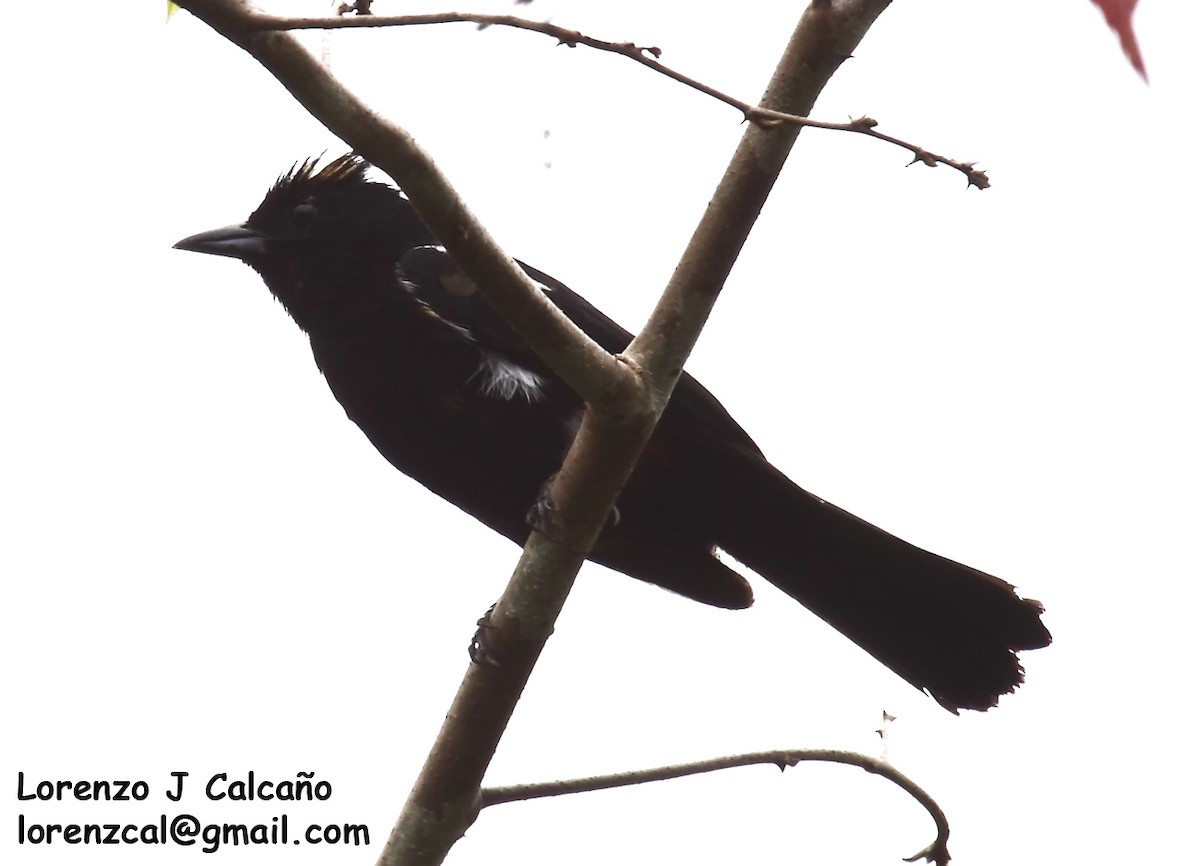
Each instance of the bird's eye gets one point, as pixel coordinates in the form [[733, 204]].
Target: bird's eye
[[302, 217]]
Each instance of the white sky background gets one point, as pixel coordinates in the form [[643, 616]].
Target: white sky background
[[208, 568]]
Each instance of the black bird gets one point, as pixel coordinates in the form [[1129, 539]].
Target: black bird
[[452, 397]]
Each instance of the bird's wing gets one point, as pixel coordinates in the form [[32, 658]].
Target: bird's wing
[[449, 293]]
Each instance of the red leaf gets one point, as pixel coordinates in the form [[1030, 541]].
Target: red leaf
[[1119, 15]]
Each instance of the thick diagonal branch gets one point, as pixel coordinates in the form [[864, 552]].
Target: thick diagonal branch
[[607, 446], [587, 368]]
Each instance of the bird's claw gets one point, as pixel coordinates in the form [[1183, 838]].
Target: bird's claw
[[542, 515], [478, 650]]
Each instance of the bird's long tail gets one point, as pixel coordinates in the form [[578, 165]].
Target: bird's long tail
[[946, 628]]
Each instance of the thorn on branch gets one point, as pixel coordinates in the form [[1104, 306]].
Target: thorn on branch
[[975, 177], [924, 157], [358, 7], [937, 852]]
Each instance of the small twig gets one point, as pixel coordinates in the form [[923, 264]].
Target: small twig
[[936, 852], [976, 177], [648, 56]]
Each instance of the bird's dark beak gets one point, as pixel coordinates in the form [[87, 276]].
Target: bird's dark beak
[[237, 242]]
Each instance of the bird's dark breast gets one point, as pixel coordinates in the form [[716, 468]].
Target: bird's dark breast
[[416, 395]]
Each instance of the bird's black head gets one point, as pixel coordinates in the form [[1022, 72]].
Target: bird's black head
[[326, 228]]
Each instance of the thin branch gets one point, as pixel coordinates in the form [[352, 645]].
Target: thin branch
[[827, 34], [570, 38], [936, 852], [647, 56], [591, 371]]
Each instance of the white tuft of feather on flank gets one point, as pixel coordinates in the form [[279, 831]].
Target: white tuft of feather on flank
[[506, 380]]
